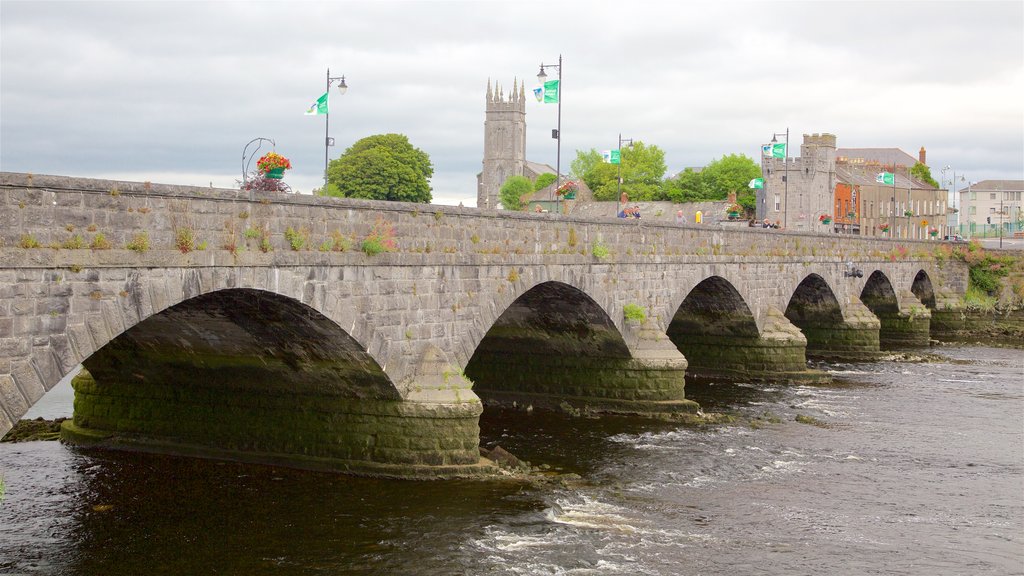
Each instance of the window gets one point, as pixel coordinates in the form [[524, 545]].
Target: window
[[778, 204], [992, 196], [973, 211], [974, 195], [992, 210]]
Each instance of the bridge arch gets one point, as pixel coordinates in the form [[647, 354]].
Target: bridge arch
[[924, 290], [242, 338], [815, 310], [554, 345]]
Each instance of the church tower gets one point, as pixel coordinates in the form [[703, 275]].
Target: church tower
[[504, 142]]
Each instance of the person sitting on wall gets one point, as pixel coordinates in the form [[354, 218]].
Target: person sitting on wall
[[680, 219], [636, 212], [766, 224], [624, 213]]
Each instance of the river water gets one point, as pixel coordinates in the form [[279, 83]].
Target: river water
[[920, 470]]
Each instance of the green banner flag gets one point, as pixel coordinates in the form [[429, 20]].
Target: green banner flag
[[779, 150], [615, 157], [551, 89], [757, 183], [319, 107], [885, 178]]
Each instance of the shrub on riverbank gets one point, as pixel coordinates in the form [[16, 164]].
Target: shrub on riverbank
[[996, 281]]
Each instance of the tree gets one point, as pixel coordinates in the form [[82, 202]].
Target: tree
[[544, 180], [643, 167], [381, 167], [923, 173], [731, 173], [686, 187], [512, 190]]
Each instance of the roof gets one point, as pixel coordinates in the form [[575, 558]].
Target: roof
[[996, 186], [861, 175], [875, 156], [538, 168]]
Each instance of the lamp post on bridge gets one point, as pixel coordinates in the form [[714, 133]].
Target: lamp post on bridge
[[618, 187], [328, 141], [557, 134]]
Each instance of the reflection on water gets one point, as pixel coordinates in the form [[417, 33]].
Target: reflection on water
[[919, 472]]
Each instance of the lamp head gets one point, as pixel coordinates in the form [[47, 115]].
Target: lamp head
[[342, 87], [541, 76], [774, 141]]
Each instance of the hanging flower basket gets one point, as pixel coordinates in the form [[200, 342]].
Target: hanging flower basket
[[567, 190], [883, 227], [933, 232], [734, 211], [908, 213], [825, 219], [273, 165]]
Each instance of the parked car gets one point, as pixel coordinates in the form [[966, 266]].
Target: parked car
[[954, 238]]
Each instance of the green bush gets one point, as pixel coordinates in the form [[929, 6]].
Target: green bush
[[512, 191], [544, 180], [139, 243], [634, 312]]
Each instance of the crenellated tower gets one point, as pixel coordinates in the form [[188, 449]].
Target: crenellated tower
[[504, 141]]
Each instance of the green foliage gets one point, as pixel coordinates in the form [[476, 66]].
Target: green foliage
[[297, 239], [252, 233], [599, 250], [75, 242], [643, 168], [923, 173], [634, 312], [730, 173], [329, 190], [380, 239], [336, 242], [139, 242], [100, 242], [184, 239], [28, 241], [381, 167], [544, 180], [511, 191]]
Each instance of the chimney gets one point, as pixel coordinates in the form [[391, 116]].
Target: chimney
[[920, 156]]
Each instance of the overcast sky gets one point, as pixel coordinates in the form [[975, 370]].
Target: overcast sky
[[171, 92]]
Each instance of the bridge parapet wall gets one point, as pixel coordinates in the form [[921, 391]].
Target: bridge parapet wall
[[455, 270]]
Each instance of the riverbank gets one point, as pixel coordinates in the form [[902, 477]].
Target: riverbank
[[33, 430]]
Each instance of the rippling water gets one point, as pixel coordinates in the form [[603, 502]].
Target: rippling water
[[920, 471]]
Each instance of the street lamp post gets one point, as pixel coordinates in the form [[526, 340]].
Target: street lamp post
[[618, 187], [785, 177], [328, 141], [542, 77]]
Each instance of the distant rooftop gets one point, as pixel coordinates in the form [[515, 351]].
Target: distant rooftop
[[875, 156]]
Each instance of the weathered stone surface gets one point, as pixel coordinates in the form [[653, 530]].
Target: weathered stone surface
[[456, 272]]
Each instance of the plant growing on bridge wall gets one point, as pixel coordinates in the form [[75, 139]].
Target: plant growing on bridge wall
[[184, 239], [139, 242], [28, 241], [73, 243], [100, 242], [336, 242], [380, 239], [297, 239], [634, 312]]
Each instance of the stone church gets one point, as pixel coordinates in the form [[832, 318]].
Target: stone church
[[505, 143]]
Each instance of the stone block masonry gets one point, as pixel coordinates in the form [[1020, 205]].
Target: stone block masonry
[[277, 283]]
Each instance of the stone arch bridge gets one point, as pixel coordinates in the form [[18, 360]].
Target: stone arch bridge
[[216, 323]]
